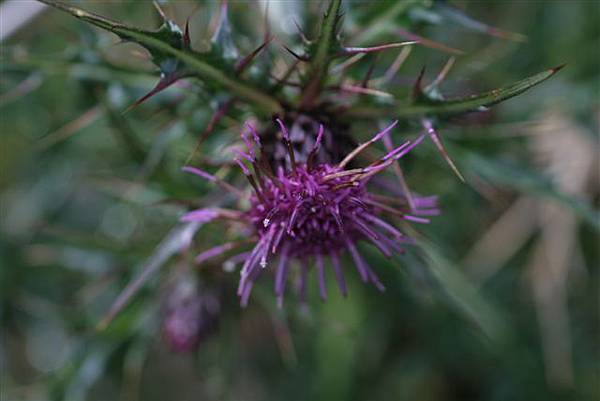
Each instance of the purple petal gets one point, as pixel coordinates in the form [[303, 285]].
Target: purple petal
[[229, 264], [375, 280], [381, 246], [358, 261], [302, 280], [200, 215], [243, 155], [319, 138], [247, 287], [391, 229], [387, 129], [215, 251], [339, 274], [362, 147], [427, 212], [255, 135], [416, 219], [249, 265], [249, 146], [284, 131], [426, 201], [293, 217], [245, 169], [364, 228], [394, 244], [321, 277], [410, 147], [201, 173], [245, 295], [277, 239], [282, 269]]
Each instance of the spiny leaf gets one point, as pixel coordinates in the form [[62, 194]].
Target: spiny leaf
[[296, 55], [169, 33], [164, 83], [476, 102], [435, 137], [426, 105], [171, 70], [167, 46], [244, 62]]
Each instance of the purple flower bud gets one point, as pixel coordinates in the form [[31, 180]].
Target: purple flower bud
[[189, 317]]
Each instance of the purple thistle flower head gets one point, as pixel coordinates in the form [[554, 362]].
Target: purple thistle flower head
[[312, 212]]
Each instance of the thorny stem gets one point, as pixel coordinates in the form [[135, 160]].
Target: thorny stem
[[319, 67]]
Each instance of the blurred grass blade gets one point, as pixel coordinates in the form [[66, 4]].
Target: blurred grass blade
[[384, 20], [176, 241], [101, 72], [530, 182], [457, 16], [464, 294], [90, 368], [167, 48]]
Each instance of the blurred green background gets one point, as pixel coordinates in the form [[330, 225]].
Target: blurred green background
[[504, 307]]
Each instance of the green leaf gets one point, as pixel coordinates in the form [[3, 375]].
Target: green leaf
[[425, 105], [167, 48], [531, 182]]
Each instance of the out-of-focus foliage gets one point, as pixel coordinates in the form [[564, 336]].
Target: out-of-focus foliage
[[499, 303]]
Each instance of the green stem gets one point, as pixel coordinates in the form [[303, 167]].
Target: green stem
[[319, 67]]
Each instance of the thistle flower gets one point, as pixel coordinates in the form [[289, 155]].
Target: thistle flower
[[310, 212]]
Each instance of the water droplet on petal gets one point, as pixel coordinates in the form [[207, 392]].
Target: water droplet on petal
[[228, 266]]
